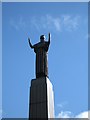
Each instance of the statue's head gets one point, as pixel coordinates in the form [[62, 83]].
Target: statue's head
[[42, 38]]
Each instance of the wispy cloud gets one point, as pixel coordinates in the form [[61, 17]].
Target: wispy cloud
[[62, 105], [58, 24], [68, 114], [71, 23], [53, 22], [18, 24], [48, 22], [64, 114]]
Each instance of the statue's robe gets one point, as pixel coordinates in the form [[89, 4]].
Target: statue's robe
[[41, 49]]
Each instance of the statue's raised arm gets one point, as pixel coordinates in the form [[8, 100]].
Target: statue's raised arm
[[49, 35], [30, 43]]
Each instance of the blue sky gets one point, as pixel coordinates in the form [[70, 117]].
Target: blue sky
[[0, 59], [67, 56], [45, 0]]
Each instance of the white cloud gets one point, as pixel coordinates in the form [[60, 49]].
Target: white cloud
[[83, 115], [14, 25], [59, 105], [63, 22], [68, 114], [18, 24], [48, 22], [71, 23], [53, 22], [63, 104]]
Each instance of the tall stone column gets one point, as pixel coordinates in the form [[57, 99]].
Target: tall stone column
[[41, 103], [41, 98]]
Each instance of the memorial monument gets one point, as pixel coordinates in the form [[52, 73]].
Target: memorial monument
[[41, 103]]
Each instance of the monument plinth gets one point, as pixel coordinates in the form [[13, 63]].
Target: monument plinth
[[41, 103]]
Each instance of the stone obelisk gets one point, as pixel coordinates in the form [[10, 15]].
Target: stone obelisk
[[41, 104]]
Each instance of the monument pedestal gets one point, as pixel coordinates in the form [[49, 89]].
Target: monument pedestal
[[41, 99]]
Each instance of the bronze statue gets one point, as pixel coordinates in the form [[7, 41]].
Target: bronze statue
[[41, 50]]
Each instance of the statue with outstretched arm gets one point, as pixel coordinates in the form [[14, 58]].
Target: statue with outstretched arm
[[49, 38], [30, 43], [32, 46], [41, 50]]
